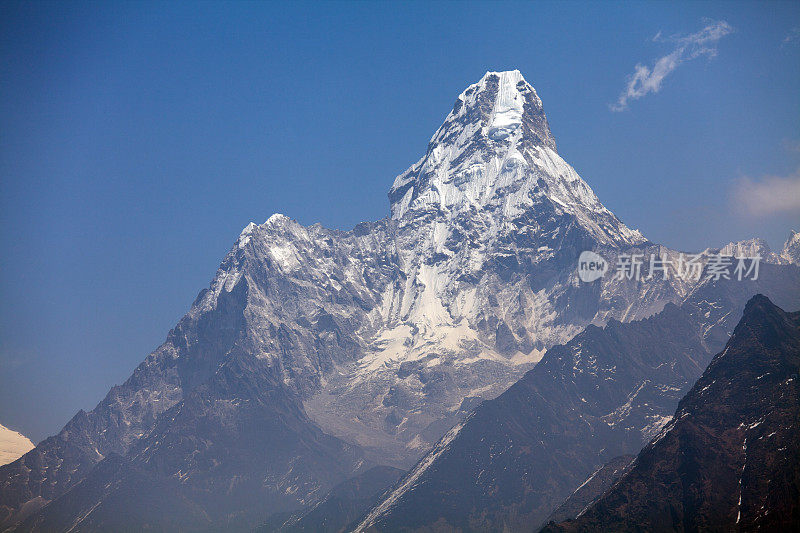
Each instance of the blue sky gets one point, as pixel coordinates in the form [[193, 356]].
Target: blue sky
[[139, 139]]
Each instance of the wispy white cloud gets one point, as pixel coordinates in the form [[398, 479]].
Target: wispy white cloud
[[792, 37], [645, 80], [768, 195]]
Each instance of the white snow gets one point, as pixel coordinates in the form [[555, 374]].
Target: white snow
[[277, 218], [285, 255], [741, 476], [245, 236], [507, 112], [656, 426], [13, 445]]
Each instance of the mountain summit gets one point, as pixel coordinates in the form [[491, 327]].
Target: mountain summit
[[489, 120], [495, 155]]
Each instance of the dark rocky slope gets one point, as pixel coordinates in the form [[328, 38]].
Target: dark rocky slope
[[591, 489], [730, 460], [340, 507]]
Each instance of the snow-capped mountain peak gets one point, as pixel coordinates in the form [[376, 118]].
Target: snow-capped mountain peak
[[449, 290], [494, 155], [12, 445]]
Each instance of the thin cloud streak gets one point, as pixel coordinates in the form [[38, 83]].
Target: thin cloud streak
[[770, 195], [645, 80]]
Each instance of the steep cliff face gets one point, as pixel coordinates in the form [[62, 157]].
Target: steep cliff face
[[791, 249], [730, 458]]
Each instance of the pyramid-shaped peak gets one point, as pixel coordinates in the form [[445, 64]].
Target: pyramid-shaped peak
[[494, 154]]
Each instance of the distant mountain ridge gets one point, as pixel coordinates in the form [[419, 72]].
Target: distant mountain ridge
[[12, 445], [730, 458]]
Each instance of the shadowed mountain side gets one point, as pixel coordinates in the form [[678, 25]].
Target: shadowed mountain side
[[340, 507], [730, 459]]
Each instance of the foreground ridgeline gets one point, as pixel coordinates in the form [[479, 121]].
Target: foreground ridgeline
[[316, 356], [730, 459]]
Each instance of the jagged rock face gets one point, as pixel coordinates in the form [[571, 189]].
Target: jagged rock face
[[604, 393], [486, 229], [791, 249], [730, 458], [493, 160]]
